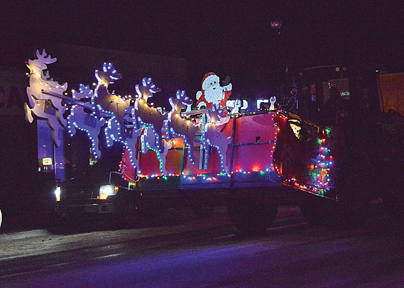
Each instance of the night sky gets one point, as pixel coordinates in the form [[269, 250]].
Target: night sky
[[228, 37]]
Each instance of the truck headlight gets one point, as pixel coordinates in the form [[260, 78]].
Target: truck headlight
[[57, 194], [107, 190]]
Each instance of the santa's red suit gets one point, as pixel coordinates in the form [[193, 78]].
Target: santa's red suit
[[201, 95]]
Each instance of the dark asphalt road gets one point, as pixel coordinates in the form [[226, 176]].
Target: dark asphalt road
[[211, 253]]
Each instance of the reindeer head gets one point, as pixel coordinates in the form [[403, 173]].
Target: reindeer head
[[84, 92], [147, 89], [215, 114], [108, 74], [36, 66], [180, 101]]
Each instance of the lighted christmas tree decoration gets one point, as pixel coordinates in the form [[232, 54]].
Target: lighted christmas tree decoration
[[323, 163], [45, 95]]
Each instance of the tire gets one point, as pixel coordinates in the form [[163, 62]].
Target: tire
[[129, 219], [128, 209], [251, 217], [62, 224]]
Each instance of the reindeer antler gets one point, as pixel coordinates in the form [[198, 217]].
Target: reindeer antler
[[215, 114], [109, 69], [147, 89], [42, 57], [108, 73], [182, 96], [84, 92]]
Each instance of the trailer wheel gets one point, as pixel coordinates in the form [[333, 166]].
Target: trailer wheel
[[251, 217]]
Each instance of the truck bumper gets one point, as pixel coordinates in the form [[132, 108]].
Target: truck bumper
[[63, 209]]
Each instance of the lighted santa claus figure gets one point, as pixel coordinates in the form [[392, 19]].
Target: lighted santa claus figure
[[212, 92]]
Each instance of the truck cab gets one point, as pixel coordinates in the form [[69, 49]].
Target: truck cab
[[336, 148]]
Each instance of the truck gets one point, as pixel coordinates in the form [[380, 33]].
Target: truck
[[330, 148], [144, 159]]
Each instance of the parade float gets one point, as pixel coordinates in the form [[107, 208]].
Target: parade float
[[146, 158]]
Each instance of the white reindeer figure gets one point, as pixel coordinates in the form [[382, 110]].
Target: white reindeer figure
[[106, 103], [113, 133], [82, 118], [179, 127], [43, 92], [212, 137], [147, 116]]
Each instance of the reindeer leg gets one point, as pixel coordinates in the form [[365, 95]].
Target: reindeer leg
[[54, 125], [94, 136], [159, 139], [131, 146], [70, 126], [60, 110], [30, 99], [28, 113], [191, 149], [61, 119], [222, 152]]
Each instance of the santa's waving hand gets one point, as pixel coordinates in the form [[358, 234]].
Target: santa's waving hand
[[212, 93]]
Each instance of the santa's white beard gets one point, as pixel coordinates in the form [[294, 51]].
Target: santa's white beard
[[214, 95]]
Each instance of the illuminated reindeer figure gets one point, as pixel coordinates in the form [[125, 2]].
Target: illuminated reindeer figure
[[179, 127], [43, 92], [82, 118], [105, 103], [148, 142], [147, 116], [212, 137], [113, 132]]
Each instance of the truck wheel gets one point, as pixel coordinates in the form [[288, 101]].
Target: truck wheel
[[128, 213], [251, 217], [61, 224]]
